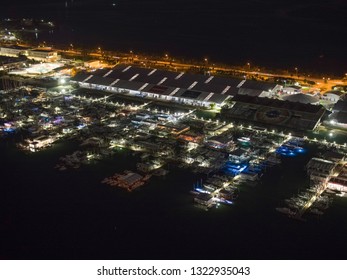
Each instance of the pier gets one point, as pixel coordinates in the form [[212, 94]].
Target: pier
[[320, 189]]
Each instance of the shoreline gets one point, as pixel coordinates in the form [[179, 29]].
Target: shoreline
[[248, 68]]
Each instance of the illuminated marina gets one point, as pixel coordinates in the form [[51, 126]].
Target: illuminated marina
[[105, 113], [114, 151]]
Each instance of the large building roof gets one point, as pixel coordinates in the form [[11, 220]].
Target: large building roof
[[16, 47], [257, 85], [275, 112], [340, 106], [302, 98], [177, 84], [80, 77], [276, 103], [339, 117]]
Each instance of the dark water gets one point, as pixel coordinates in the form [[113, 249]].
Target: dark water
[[67, 215], [309, 35]]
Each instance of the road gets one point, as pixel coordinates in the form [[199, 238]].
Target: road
[[321, 84]]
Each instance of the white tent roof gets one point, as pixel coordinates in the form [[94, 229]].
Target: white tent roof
[[302, 98]]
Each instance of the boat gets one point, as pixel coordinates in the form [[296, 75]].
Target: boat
[[312, 190], [228, 194], [210, 187], [293, 205], [128, 180], [316, 211], [244, 139], [194, 192], [249, 176], [223, 200], [206, 208], [341, 194], [321, 205], [304, 196], [205, 199], [285, 210], [273, 160], [330, 191], [160, 172]]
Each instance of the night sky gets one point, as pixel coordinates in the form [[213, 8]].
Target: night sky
[[309, 34]]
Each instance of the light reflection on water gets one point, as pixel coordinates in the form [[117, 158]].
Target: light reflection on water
[[68, 209]]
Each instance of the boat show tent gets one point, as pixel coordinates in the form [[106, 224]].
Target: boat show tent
[[302, 98], [193, 89], [340, 106], [295, 115]]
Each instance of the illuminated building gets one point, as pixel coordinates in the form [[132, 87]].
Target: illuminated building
[[43, 54], [320, 170], [40, 142], [338, 118], [14, 50], [39, 54], [179, 87], [302, 98], [204, 199], [294, 115], [339, 183]]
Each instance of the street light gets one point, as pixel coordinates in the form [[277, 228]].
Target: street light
[[206, 62], [296, 71], [131, 56], [249, 65]]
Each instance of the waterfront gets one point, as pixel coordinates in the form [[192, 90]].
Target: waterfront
[[58, 215], [55, 214]]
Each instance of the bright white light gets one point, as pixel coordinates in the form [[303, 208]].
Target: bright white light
[[62, 81], [331, 134]]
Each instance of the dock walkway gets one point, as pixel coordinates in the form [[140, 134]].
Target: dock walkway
[[320, 189]]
